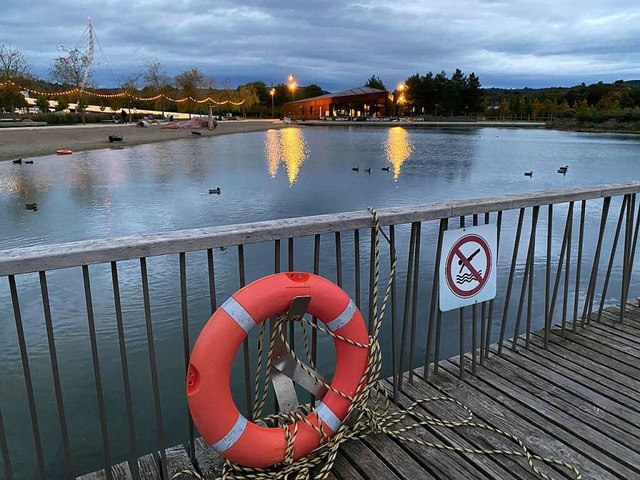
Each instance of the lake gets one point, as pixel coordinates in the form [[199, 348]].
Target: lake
[[268, 175]]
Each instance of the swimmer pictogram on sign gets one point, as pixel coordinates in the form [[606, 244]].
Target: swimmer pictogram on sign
[[468, 266]]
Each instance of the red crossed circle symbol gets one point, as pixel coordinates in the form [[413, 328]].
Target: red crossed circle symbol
[[455, 252]]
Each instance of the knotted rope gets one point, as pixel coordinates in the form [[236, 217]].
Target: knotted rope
[[370, 409]]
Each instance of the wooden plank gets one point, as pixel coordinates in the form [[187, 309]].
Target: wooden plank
[[615, 358], [632, 313], [149, 468], [593, 355], [610, 340], [611, 320], [120, 471], [344, 470], [209, 461], [611, 317], [495, 466], [438, 463], [404, 465], [497, 409], [585, 405], [586, 366], [51, 257], [368, 463], [613, 329], [602, 383], [179, 461], [601, 448]]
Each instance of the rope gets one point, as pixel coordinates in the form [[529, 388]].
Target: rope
[[370, 409]]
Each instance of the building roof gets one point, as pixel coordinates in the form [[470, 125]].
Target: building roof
[[345, 93]]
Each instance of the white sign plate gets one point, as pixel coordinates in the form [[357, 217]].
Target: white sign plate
[[468, 266]]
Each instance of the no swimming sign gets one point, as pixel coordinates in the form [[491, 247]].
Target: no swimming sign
[[468, 266]]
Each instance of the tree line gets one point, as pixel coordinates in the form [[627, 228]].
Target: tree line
[[70, 69], [419, 95], [598, 101]]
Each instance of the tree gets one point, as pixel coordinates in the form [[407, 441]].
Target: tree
[[247, 93], [73, 68], [375, 82], [311, 91], [156, 78], [13, 64], [189, 81], [11, 99], [473, 95], [130, 87], [43, 104]]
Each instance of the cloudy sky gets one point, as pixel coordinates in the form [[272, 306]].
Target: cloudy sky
[[338, 44]]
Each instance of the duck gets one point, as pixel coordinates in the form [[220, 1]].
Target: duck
[[199, 134], [528, 174], [29, 162], [115, 138], [215, 190], [18, 161], [368, 170], [32, 206], [563, 170], [385, 169], [356, 169]]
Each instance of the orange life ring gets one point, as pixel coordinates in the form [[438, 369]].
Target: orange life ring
[[208, 391], [63, 151]]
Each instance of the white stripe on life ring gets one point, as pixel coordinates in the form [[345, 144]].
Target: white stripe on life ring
[[230, 439], [342, 319], [328, 417], [239, 314]]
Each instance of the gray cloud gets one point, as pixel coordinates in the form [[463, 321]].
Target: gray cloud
[[339, 44]]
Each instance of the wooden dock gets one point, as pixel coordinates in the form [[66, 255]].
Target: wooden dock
[[577, 402]]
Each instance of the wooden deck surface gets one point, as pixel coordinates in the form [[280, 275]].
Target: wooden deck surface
[[578, 402]]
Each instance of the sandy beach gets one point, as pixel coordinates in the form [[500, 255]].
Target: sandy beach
[[26, 142]]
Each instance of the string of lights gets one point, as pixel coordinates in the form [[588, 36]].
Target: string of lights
[[74, 91]]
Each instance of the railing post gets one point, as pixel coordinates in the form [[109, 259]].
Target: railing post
[[514, 258]]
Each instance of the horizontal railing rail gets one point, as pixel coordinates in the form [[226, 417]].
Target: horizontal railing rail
[[33, 259], [127, 310]]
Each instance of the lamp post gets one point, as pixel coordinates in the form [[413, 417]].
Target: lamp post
[[399, 96], [292, 85], [272, 93]]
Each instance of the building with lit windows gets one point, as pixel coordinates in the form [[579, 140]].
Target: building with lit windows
[[357, 102]]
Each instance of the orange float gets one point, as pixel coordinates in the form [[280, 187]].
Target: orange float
[[63, 151], [208, 389]]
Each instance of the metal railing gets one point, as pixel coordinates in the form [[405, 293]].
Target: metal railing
[[182, 276]]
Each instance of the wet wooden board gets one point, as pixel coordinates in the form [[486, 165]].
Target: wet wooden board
[[576, 402]]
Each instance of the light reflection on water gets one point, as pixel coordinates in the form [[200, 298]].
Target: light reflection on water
[[399, 148], [163, 187], [286, 146]]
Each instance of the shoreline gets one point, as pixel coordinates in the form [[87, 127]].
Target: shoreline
[[28, 142]]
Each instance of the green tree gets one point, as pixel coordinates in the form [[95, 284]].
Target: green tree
[[190, 81], [311, 91], [375, 82], [11, 99], [473, 95], [43, 104], [63, 104], [72, 68], [13, 66]]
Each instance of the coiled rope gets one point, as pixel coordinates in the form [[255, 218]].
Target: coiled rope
[[370, 409]]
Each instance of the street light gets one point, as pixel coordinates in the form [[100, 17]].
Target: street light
[[399, 96], [292, 85], [272, 93]]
